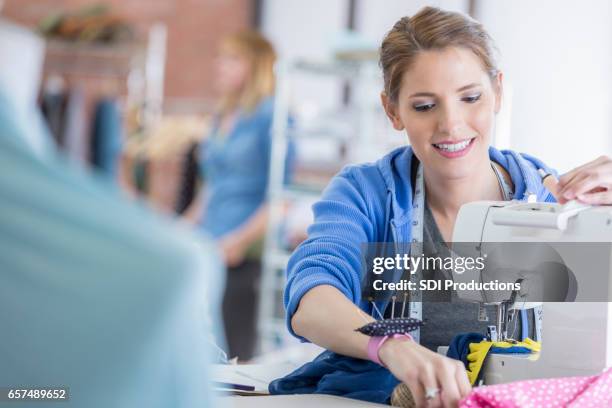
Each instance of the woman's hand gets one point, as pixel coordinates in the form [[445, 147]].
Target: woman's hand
[[421, 369], [234, 249], [590, 183]]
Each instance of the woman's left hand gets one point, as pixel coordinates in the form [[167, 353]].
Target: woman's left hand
[[590, 183], [233, 248]]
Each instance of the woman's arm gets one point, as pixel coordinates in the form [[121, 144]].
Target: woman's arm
[[324, 283], [236, 243], [327, 318]]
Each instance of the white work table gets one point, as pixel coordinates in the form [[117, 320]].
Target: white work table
[[295, 401]]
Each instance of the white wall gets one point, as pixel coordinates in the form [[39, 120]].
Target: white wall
[[309, 29], [557, 55], [304, 30], [375, 18]]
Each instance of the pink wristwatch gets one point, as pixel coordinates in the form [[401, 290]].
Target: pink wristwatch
[[376, 343]]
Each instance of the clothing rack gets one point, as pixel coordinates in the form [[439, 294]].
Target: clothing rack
[[132, 73]]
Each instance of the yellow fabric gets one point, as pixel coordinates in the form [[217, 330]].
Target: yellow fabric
[[476, 358], [478, 353], [533, 345]]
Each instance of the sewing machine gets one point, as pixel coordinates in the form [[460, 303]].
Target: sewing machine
[[576, 336]]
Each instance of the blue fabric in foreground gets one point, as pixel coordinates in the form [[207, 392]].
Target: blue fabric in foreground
[[335, 374], [98, 293], [510, 350]]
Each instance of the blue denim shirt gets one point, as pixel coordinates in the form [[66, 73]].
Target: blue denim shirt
[[235, 169]]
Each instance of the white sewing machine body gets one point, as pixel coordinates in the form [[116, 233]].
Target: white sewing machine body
[[576, 336]]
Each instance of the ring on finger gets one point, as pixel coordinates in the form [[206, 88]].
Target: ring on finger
[[431, 393]]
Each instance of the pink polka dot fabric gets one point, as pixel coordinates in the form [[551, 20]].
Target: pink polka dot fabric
[[588, 392]]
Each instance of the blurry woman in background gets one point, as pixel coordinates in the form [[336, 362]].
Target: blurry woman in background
[[234, 161]]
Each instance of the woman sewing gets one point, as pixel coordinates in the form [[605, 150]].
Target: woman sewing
[[443, 88]]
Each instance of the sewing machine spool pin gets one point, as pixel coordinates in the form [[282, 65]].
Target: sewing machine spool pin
[[404, 304]]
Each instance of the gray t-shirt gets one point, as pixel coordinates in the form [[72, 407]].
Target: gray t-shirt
[[445, 315]]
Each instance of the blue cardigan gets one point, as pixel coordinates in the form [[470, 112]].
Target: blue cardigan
[[235, 170], [373, 203]]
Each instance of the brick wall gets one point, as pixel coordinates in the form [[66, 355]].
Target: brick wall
[[194, 29]]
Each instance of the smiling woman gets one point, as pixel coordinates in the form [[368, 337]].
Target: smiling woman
[[456, 110], [447, 103], [442, 86]]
